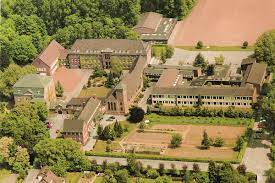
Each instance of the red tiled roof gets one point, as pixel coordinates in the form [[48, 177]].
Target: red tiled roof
[[51, 53]]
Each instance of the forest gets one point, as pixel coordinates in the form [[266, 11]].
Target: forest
[[27, 26]]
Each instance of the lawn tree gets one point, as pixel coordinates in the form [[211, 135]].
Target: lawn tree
[[200, 61], [152, 174], [118, 129], [245, 45], [116, 66], [219, 60], [142, 126], [169, 51], [219, 142], [108, 133], [176, 140], [136, 114], [205, 140], [162, 56], [239, 144], [59, 89], [242, 169], [122, 176], [199, 45], [210, 70], [161, 169], [146, 82], [196, 168], [99, 130], [110, 81], [133, 166]]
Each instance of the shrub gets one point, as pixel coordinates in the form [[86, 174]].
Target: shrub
[[239, 144], [272, 152], [242, 169], [199, 45], [196, 168], [219, 142], [152, 173], [245, 45], [136, 114], [205, 141], [176, 140]]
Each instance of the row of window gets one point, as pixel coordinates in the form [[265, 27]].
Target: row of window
[[202, 97], [73, 133], [205, 103]]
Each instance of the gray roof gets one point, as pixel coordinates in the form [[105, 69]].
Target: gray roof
[[89, 110], [114, 46], [73, 125], [254, 74], [33, 81], [77, 101], [149, 20], [218, 91]]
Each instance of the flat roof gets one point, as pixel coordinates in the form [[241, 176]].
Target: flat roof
[[168, 78]]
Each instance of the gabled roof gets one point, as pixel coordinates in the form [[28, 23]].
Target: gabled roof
[[248, 61], [116, 46], [78, 101], [204, 90], [47, 176], [33, 81], [255, 73], [51, 53], [90, 109], [149, 20], [168, 78], [73, 125]]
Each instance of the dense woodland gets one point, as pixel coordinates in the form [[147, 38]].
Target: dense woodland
[[29, 25]]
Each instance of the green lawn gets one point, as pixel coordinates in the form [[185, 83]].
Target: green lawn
[[100, 92], [101, 145], [217, 48], [72, 177], [154, 118], [4, 173]]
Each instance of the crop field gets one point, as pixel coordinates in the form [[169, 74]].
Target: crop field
[[225, 23]]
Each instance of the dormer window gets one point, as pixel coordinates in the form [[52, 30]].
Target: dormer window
[[107, 56]]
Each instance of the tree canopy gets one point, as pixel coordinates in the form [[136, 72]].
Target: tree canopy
[[265, 48], [60, 155]]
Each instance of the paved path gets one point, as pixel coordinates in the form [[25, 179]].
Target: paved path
[[256, 161], [10, 179], [57, 120], [32, 174], [188, 57]]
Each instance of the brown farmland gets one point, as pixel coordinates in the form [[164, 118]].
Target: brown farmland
[[225, 23]]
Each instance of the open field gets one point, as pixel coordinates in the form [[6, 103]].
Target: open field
[[225, 23], [73, 177], [160, 135]]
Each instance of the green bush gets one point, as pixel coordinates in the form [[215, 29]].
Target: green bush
[[245, 45], [272, 153], [199, 45], [219, 142], [152, 174]]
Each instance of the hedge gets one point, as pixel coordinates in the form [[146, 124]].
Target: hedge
[[230, 112], [167, 158]]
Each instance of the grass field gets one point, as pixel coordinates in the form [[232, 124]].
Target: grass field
[[158, 119], [73, 177], [4, 173], [217, 48], [100, 92]]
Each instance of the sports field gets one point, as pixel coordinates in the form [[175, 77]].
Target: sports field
[[225, 23], [159, 135]]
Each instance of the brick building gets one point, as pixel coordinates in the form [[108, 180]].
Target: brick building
[[99, 53], [47, 61], [173, 90], [81, 115], [34, 87]]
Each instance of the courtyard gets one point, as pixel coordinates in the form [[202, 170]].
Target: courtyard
[[225, 23]]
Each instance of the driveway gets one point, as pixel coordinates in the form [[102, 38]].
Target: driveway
[[57, 120], [188, 57], [143, 102], [257, 161]]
